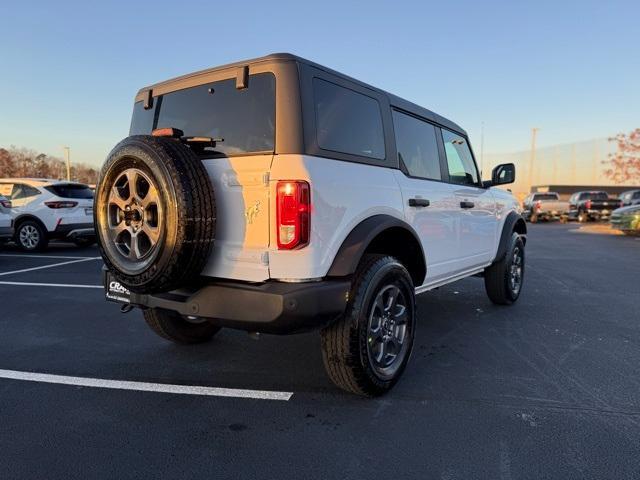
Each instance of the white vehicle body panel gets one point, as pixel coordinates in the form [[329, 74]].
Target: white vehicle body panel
[[35, 206], [242, 191], [343, 194], [456, 242]]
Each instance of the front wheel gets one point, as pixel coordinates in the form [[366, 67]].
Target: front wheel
[[503, 279], [176, 328], [366, 350]]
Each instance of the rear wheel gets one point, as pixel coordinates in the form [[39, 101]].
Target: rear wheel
[[176, 328], [503, 279], [583, 217], [31, 237], [84, 242], [367, 349]]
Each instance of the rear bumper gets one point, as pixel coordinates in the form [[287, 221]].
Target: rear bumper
[[74, 230], [269, 307]]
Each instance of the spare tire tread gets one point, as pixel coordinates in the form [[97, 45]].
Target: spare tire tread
[[195, 207]]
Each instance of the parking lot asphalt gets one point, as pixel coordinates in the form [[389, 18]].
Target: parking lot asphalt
[[547, 388]]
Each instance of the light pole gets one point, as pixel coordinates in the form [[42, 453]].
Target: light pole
[[482, 149], [532, 159], [67, 158]]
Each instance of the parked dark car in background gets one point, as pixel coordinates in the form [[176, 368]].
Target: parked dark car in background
[[630, 197], [595, 205]]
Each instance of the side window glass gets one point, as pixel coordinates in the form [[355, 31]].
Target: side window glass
[[18, 192], [462, 168], [347, 121], [417, 146], [30, 191]]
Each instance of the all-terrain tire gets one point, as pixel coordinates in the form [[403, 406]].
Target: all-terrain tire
[[188, 213], [344, 343], [498, 276], [31, 236], [172, 326]]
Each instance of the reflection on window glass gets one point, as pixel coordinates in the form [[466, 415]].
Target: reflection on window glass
[[347, 121], [417, 146], [462, 168]]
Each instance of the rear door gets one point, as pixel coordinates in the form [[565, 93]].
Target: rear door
[[241, 121], [425, 195], [475, 205]]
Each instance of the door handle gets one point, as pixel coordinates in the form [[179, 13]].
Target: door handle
[[418, 202], [466, 204]]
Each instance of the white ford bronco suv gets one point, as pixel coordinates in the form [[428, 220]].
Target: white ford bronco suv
[[278, 196]]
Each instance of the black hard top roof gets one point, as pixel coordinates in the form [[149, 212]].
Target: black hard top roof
[[394, 100]]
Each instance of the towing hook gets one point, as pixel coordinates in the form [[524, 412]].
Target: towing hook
[[126, 308]]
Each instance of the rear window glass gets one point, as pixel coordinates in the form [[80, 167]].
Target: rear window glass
[[71, 191], [594, 196], [243, 118], [347, 121], [545, 196]]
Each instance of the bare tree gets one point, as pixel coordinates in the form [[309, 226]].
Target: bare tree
[[624, 164], [25, 162]]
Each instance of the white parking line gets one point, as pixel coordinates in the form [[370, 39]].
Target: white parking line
[[86, 259], [28, 255], [63, 285], [145, 387]]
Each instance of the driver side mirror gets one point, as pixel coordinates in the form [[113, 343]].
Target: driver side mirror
[[502, 174]]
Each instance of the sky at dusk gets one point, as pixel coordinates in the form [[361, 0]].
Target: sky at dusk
[[70, 69]]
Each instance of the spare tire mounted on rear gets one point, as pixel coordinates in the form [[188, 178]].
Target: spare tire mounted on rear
[[154, 213]]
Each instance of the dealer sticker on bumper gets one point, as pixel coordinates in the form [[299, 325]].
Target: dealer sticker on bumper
[[116, 292]]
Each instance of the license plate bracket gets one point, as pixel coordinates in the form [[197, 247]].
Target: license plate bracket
[[114, 291]]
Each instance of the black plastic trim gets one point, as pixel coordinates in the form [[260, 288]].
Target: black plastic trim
[[507, 230], [350, 252], [269, 307]]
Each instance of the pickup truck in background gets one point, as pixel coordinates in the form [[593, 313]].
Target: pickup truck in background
[[586, 206], [544, 206]]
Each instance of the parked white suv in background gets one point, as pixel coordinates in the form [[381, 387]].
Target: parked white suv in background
[[6, 220], [276, 195], [44, 210]]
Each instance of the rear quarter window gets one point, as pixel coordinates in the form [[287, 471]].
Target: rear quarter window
[[347, 121]]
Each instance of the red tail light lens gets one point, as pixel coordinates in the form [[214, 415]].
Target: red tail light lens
[[61, 204], [293, 202], [538, 205], [588, 204], [6, 203]]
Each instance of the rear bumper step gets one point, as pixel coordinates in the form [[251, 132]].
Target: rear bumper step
[[269, 307]]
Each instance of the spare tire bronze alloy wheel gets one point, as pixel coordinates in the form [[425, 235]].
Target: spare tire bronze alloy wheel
[[134, 219]]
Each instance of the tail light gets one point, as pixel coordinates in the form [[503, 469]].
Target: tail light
[[538, 205], [293, 202], [588, 204], [61, 204], [6, 203]]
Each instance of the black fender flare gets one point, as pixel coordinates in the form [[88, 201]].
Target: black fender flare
[[355, 244], [512, 223]]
